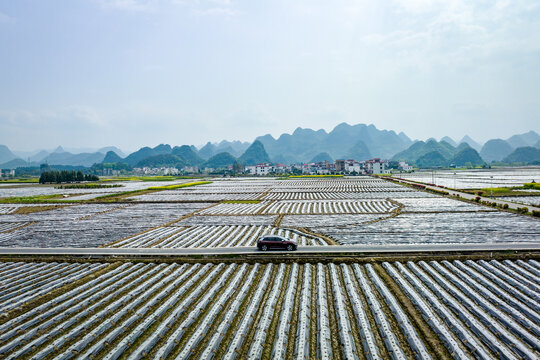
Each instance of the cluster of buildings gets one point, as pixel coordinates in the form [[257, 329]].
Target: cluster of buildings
[[7, 173], [156, 171], [353, 167]]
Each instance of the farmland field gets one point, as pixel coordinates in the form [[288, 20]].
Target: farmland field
[[426, 310], [477, 179], [526, 200], [246, 308], [235, 212]]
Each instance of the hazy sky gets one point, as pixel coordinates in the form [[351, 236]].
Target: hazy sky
[[133, 72]]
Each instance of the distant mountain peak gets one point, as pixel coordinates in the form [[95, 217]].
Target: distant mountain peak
[[255, 154], [6, 154], [449, 140], [59, 150], [521, 140], [111, 157], [475, 145], [495, 150]]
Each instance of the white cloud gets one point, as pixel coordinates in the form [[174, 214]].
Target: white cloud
[[209, 7], [129, 5], [215, 11]]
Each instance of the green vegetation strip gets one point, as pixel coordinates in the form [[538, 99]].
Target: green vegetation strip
[[122, 195], [119, 196], [503, 191], [179, 186], [35, 199], [16, 181], [147, 178]]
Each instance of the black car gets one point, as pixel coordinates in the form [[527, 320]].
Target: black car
[[276, 242]]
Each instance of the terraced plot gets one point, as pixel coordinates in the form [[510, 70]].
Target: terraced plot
[[6, 209], [212, 236], [525, 200], [276, 311], [439, 204], [169, 196], [302, 207], [304, 194], [357, 184], [16, 190], [91, 225], [359, 210], [444, 227]]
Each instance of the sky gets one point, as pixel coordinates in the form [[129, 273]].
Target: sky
[[132, 73]]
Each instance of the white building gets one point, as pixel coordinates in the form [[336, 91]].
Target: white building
[[375, 166], [191, 169], [351, 166], [405, 166], [259, 169]]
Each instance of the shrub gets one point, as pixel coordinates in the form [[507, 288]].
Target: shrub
[[505, 206], [536, 213], [477, 199], [479, 193], [531, 185]]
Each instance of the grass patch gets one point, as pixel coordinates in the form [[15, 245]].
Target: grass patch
[[179, 186], [32, 199], [34, 209], [124, 194], [535, 186], [15, 181], [503, 191], [119, 196], [241, 201]]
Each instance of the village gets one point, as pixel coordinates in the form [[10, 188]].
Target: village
[[338, 167]]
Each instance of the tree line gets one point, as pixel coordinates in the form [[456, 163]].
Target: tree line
[[65, 176]]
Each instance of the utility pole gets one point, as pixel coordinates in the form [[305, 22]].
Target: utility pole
[[491, 186], [454, 180], [432, 177]]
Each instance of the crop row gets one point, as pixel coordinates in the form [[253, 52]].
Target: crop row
[[7, 209], [386, 187], [212, 311], [299, 195], [361, 184], [212, 236], [302, 207], [478, 309], [329, 207], [276, 311], [23, 282], [92, 225], [9, 226], [174, 195]]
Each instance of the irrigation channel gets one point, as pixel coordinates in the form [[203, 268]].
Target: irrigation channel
[[487, 308]]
